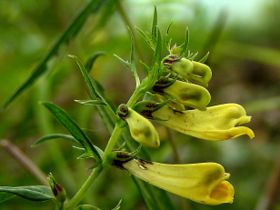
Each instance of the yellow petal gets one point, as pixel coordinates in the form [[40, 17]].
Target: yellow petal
[[189, 94], [142, 130], [201, 74], [202, 182], [223, 192], [219, 122]]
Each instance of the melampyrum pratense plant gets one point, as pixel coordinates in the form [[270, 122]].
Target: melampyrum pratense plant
[[174, 94]]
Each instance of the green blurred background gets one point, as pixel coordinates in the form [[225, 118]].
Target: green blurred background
[[243, 38]]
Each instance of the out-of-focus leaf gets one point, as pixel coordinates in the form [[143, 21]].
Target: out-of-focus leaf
[[147, 38], [68, 34], [157, 54], [154, 26], [90, 102], [106, 112], [5, 197], [93, 91], [34, 193], [91, 60], [204, 58], [186, 42], [87, 207], [55, 136], [118, 206], [73, 128], [133, 61]]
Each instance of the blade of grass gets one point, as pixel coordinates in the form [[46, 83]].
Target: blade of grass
[[68, 34]]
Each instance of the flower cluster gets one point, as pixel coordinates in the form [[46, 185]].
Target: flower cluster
[[179, 100]]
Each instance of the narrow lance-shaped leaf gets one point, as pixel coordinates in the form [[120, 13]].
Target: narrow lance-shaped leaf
[[154, 26], [92, 59], [70, 32], [147, 38], [133, 61], [95, 91], [73, 128], [91, 87], [186, 43], [204, 58], [90, 102], [157, 54], [34, 193], [55, 136], [118, 206]]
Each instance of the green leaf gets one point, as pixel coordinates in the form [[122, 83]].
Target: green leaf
[[34, 193], [154, 26], [92, 59], [87, 207], [93, 90], [133, 60], [68, 34], [91, 102], [73, 128], [157, 54], [186, 42], [5, 197], [147, 38], [147, 193], [204, 58], [106, 112], [118, 206], [55, 136]]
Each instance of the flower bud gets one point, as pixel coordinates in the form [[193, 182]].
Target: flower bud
[[188, 70], [183, 67], [188, 94], [58, 191], [141, 129]]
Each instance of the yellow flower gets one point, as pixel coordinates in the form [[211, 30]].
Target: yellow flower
[[201, 74], [193, 71], [219, 122], [189, 94], [141, 129], [203, 182]]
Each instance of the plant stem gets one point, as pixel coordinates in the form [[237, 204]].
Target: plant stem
[[80, 194], [113, 139], [137, 94]]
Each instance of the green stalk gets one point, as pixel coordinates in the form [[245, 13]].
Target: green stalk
[[80, 194], [137, 94]]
